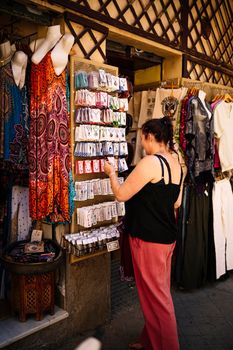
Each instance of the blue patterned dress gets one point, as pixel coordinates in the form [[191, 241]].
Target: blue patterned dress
[[13, 119]]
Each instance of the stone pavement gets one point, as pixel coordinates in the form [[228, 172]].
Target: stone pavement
[[204, 317]]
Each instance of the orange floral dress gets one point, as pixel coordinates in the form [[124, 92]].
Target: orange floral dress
[[49, 144]]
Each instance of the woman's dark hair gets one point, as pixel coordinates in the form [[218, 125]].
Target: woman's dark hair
[[161, 129]]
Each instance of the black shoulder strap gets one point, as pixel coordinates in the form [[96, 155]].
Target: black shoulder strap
[[167, 165], [161, 165], [181, 176]]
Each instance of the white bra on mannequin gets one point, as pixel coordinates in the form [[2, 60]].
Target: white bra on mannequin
[[18, 65], [60, 46]]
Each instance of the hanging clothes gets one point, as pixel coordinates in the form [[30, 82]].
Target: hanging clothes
[[146, 107], [223, 226], [183, 118], [199, 134], [20, 219], [136, 107], [152, 107], [195, 233], [217, 164], [49, 144], [223, 126], [161, 95], [126, 264], [14, 119]]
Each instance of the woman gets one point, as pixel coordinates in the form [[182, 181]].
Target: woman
[[153, 190]]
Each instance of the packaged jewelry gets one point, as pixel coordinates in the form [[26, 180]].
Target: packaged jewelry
[[122, 136], [108, 148], [116, 148], [109, 80], [96, 165], [117, 117], [101, 99], [111, 134], [102, 78], [76, 136], [90, 98], [95, 115], [102, 133], [87, 166], [81, 80], [104, 187], [84, 193], [81, 191], [123, 118], [78, 115], [79, 167], [99, 149], [77, 150], [109, 188], [123, 86], [123, 149], [122, 165], [96, 187], [93, 80], [90, 190], [115, 80], [102, 165], [77, 99]]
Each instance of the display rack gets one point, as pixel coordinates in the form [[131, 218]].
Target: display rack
[[77, 64]]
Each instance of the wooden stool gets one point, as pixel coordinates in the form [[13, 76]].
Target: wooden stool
[[32, 294]]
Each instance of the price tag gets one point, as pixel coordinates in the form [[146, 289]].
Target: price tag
[[114, 245], [36, 236]]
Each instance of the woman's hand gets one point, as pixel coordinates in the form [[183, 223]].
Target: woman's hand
[[108, 168]]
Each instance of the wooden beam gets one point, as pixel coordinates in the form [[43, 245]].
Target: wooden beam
[[85, 22]]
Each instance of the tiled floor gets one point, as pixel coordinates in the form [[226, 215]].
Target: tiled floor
[[204, 317]]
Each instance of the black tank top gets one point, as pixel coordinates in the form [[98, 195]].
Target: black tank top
[[150, 212]]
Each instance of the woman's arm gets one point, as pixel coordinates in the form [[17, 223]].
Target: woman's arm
[[179, 200], [143, 173]]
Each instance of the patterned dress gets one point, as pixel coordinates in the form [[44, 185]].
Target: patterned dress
[[13, 119], [49, 148]]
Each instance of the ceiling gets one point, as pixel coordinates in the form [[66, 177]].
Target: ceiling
[[130, 59]]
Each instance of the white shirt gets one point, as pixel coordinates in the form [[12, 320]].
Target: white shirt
[[223, 128]]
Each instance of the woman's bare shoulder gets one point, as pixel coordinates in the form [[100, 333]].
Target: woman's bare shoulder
[[148, 160]]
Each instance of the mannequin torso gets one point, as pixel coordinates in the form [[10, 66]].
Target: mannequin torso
[[35, 44], [5, 53], [60, 46], [18, 65], [60, 53], [46, 44]]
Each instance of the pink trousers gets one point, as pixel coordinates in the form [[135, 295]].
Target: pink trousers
[[152, 269]]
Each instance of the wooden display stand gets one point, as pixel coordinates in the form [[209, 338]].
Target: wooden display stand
[[76, 64], [32, 294]]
